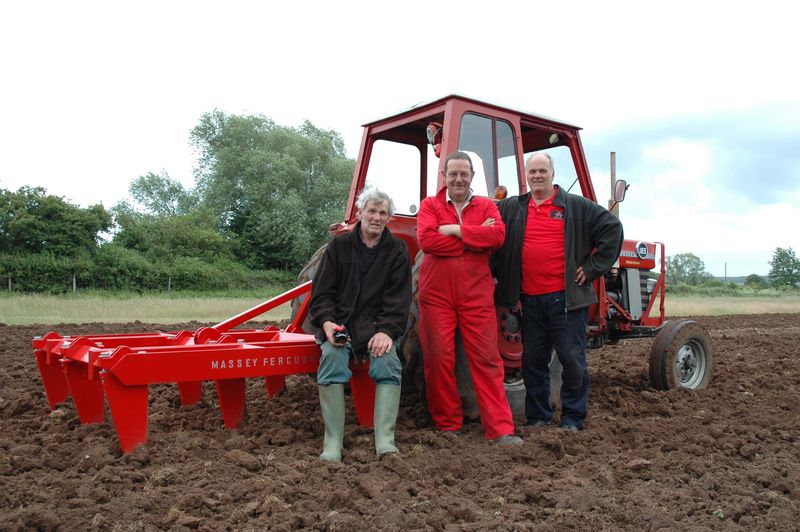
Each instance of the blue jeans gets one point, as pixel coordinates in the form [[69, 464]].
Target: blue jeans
[[546, 324], [334, 366]]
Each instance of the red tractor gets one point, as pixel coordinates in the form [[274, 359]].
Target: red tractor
[[403, 154]]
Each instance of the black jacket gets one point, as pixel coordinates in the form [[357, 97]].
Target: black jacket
[[587, 226], [380, 304]]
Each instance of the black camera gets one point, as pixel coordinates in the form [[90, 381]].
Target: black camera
[[340, 335]]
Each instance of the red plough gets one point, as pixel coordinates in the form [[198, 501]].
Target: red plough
[[119, 368]]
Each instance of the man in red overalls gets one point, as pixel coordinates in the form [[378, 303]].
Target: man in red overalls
[[458, 231]]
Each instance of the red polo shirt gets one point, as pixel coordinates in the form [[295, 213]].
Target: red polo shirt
[[543, 249]]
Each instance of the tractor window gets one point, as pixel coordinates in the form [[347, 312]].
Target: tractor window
[[507, 172], [483, 145], [565, 174], [395, 168], [475, 139]]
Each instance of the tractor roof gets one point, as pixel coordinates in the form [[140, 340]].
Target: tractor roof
[[440, 103]]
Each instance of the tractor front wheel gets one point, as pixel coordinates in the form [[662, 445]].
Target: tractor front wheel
[[681, 356]]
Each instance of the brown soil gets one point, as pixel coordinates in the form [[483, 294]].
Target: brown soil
[[727, 457]]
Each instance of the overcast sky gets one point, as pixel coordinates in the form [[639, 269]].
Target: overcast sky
[[700, 100]]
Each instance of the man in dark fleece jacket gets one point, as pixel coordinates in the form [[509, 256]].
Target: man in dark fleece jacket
[[556, 245], [364, 287]]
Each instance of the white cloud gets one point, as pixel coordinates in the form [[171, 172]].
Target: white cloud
[[745, 240], [679, 191], [684, 205]]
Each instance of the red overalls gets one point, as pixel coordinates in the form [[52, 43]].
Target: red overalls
[[456, 289]]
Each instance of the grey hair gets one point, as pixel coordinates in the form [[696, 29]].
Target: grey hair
[[370, 193], [545, 154]]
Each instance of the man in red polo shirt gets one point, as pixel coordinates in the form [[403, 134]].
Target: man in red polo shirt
[[458, 231], [556, 245]]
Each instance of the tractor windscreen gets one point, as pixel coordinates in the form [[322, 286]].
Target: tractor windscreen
[[490, 144]]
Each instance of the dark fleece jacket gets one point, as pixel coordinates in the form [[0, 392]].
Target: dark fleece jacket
[[379, 304], [592, 239]]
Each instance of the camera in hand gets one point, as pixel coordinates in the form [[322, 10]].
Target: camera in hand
[[340, 334]]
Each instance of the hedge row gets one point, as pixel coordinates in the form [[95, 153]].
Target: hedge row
[[718, 288], [117, 268]]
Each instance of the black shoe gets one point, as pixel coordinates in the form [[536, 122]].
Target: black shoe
[[508, 439], [540, 423], [571, 428]]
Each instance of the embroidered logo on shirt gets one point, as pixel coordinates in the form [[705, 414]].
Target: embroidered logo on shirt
[[559, 215]]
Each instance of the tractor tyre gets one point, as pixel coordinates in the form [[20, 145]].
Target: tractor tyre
[[659, 342], [410, 350], [306, 274], [413, 362], [681, 357]]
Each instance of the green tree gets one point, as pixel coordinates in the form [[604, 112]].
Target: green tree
[[754, 281], [686, 268], [162, 238], [32, 221], [161, 195], [784, 268], [274, 190], [169, 224]]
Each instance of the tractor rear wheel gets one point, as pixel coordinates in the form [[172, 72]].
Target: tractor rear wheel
[[306, 274], [411, 353], [681, 356]]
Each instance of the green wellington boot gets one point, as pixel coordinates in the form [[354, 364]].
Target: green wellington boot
[[387, 403], [331, 400]]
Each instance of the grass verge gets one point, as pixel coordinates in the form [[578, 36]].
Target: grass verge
[[28, 309], [696, 305], [175, 307]]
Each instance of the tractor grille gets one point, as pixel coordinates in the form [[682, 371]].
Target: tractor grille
[[646, 286]]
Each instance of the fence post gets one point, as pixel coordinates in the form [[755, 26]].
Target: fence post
[[74, 284], [169, 283], [9, 282]]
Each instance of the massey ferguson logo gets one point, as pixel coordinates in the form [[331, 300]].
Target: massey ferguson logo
[[558, 215], [641, 250]]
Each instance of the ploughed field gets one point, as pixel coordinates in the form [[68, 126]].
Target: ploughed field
[[727, 457]]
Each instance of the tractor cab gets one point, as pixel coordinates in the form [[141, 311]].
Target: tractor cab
[[403, 155]]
